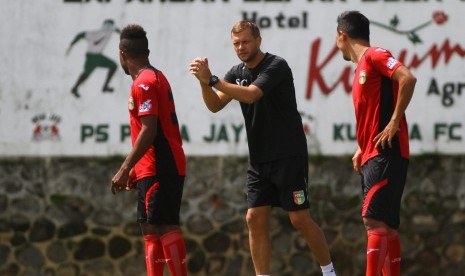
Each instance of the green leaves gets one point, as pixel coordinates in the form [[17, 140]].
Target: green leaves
[[411, 34], [394, 22], [414, 38]]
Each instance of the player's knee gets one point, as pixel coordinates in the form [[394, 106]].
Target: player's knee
[[255, 220], [301, 225], [301, 220], [148, 228], [373, 224], [251, 218]]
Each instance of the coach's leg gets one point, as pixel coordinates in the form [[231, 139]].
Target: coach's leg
[[312, 233], [259, 240]]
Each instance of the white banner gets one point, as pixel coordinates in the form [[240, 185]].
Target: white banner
[[39, 116]]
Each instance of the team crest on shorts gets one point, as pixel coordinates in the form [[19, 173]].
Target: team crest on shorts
[[362, 77], [299, 197]]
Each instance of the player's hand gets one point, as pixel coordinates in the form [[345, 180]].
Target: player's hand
[[119, 181], [384, 138], [357, 160], [199, 68], [116, 187], [132, 183]]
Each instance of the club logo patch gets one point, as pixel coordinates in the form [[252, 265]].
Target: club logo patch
[[362, 77], [131, 103], [299, 197]]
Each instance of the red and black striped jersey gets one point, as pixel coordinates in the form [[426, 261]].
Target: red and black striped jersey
[[151, 95], [374, 94]]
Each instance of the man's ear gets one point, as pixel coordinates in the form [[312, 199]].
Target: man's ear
[[343, 35], [122, 55]]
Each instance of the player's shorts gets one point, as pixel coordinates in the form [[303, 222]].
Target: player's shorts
[[159, 199], [97, 60], [281, 183], [383, 181]]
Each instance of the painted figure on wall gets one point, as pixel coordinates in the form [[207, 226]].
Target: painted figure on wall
[[97, 40]]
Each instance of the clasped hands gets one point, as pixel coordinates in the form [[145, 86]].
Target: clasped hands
[[199, 68]]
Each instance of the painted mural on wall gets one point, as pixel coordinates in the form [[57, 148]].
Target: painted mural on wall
[[96, 42], [61, 96]]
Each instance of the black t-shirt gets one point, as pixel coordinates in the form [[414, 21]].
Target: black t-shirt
[[273, 124]]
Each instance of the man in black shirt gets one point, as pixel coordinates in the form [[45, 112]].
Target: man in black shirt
[[278, 158]]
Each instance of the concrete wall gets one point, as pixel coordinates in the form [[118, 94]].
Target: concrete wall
[[49, 121], [58, 217]]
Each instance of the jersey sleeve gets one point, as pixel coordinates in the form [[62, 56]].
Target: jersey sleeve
[[271, 76], [145, 93], [230, 76], [384, 62]]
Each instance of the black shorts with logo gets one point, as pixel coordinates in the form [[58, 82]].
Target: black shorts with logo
[[383, 181], [280, 183], [159, 199]]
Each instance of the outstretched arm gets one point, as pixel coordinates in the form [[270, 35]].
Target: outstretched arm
[[407, 83], [78, 37]]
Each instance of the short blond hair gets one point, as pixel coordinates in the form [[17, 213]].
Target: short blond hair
[[246, 24]]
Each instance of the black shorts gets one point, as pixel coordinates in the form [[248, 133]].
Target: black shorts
[[280, 183], [159, 199], [383, 181]]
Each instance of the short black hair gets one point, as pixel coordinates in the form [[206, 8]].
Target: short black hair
[[354, 24], [133, 41]]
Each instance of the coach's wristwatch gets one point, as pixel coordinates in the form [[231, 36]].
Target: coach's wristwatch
[[213, 80]]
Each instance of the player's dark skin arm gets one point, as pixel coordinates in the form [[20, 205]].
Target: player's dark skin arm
[[142, 144], [357, 160]]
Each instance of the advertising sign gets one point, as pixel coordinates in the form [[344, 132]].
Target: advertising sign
[[63, 92]]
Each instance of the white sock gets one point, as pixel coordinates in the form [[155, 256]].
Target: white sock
[[328, 270]]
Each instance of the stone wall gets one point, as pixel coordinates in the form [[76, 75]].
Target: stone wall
[[58, 217]]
